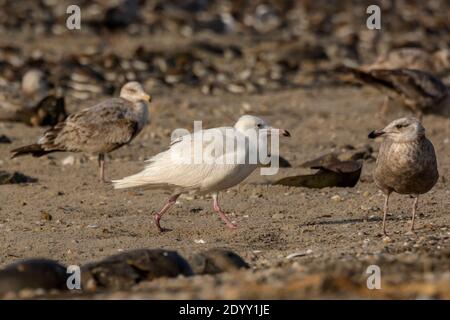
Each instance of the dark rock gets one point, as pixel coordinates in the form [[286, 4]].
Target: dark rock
[[216, 261], [4, 139], [16, 177], [33, 274], [344, 174], [49, 111], [126, 269]]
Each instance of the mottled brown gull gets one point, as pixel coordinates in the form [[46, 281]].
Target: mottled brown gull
[[176, 169], [97, 130], [406, 162]]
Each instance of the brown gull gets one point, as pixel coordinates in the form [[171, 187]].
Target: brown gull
[[176, 169], [97, 130], [406, 162]]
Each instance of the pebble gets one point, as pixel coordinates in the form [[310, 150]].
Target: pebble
[[4, 139], [299, 254], [336, 198], [46, 216], [278, 216], [68, 161]]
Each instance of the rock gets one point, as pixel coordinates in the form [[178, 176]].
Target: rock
[[126, 269], [278, 216], [33, 274], [68, 161], [215, 261], [336, 198], [16, 177], [299, 254], [4, 139], [332, 173], [46, 216], [349, 153]]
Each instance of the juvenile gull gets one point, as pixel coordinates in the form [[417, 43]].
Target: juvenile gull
[[97, 130], [178, 170], [406, 162]]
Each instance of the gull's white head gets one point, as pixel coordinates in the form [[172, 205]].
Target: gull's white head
[[401, 130], [133, 91], [248, 123]]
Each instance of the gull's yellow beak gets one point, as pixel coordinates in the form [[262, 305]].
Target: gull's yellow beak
[[146, 97]]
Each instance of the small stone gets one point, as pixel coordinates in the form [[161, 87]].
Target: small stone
[[336, 198], [4, 139], [68, 161], [299, 254], [386, 240], [246, 106], [46, 216], [278, 216]]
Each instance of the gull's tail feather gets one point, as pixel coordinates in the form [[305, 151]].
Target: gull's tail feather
[[34, 149], [151, 177], [135, 180]]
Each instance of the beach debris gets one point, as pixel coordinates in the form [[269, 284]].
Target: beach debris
[[123, 270], [15, 177], [33, 274], [334, 173], [4, 139], [217, 260], [299, 254]]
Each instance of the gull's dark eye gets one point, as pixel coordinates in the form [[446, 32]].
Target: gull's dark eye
[[399, 126], [259, 125]]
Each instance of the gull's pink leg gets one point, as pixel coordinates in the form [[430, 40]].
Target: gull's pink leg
[[386, 208], [416, 199], [101, 164], [170, 202], [222, 215]]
